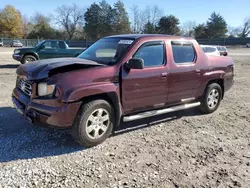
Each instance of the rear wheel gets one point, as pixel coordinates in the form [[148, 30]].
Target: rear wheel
[[211, 98], [94, 123], [28, 59]]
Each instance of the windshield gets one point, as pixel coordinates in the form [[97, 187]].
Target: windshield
[[38, 44], [106, 51]]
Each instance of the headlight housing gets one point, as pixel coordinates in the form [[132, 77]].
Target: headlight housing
[[16, 51], [44, 89]]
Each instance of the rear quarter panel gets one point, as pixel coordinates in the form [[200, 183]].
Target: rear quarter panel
[[219, 68]]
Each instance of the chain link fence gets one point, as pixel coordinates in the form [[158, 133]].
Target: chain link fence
[[85, 43], [7, 42], [225, 41]]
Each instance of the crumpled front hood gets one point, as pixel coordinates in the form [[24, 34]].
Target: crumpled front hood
[[40, 69]]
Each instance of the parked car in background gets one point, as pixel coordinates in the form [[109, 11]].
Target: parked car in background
[[248, 45], [210, 50], [122, 77], [46, 49], [1, 42], [223, 50], [16, 43]]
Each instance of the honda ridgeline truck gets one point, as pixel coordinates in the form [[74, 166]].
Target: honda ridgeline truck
[[121, 78]]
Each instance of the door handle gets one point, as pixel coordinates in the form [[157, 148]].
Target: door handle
[[164, 74], [198, 70]]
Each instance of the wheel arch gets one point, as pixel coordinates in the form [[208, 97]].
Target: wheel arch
[[219, 81], [31, 53], [112, 98]]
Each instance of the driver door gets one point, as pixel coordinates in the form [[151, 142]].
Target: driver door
[[48, 50], [144, 89]]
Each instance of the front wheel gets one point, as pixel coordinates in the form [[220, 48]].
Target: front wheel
[[94, 123], [28, 59], [211, 98]]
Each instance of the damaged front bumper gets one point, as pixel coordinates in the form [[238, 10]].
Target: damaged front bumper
[[59, 115]]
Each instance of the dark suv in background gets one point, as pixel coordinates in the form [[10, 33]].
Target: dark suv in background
[[46, 49]]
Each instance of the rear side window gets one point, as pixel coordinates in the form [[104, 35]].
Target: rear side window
[[210, 49], [51, 44], [219, 49], [183, 52], [62, 45], [152, 53]]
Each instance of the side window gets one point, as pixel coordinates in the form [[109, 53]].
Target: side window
[[183, 52], [51, 45], [62, 45], [210, 49], [152, 53]]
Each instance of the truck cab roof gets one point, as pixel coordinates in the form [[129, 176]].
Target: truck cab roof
[[140, 36]]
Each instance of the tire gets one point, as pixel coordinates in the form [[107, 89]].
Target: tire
[[28, 59], [211, 98], [88, 128]]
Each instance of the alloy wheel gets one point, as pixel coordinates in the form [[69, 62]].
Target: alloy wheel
[[213, 98], [97, 123]]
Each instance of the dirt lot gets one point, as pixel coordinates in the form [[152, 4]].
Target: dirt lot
[[184, 149]]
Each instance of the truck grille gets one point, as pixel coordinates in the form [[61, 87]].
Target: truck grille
[[25, 86]]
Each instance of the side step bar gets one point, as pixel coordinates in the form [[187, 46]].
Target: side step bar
[[159, 112]]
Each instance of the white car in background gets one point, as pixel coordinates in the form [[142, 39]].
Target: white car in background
[[223, 50], [248, 45], [210, 50], [16, 43], [1, 42]]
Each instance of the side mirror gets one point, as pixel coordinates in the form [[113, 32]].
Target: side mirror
[[135, 63]]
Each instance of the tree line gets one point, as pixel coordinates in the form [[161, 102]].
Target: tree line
[[102, 19]]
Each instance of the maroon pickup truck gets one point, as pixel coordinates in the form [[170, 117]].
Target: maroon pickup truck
[[121, 78]]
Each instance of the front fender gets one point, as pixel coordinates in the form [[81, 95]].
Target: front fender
[[31, 53], [79, 92], [111, 90]]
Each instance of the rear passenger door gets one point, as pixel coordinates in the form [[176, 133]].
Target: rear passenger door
[[146, 88], [185, 74]]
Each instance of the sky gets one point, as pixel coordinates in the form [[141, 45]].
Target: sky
[[234, 11]]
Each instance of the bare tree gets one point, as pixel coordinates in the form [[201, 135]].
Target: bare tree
[[69, 17], [152, 14], [245, 30], [242, 31], [135, 14], [143, 16], [233, 31], [187, 28], [156, 14], [139, 18], [26, 28], [38, 18]]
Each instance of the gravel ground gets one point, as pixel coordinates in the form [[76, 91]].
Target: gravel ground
[[183, 149]]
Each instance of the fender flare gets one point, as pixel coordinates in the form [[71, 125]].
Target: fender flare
[[31, 53], [107, 91]]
